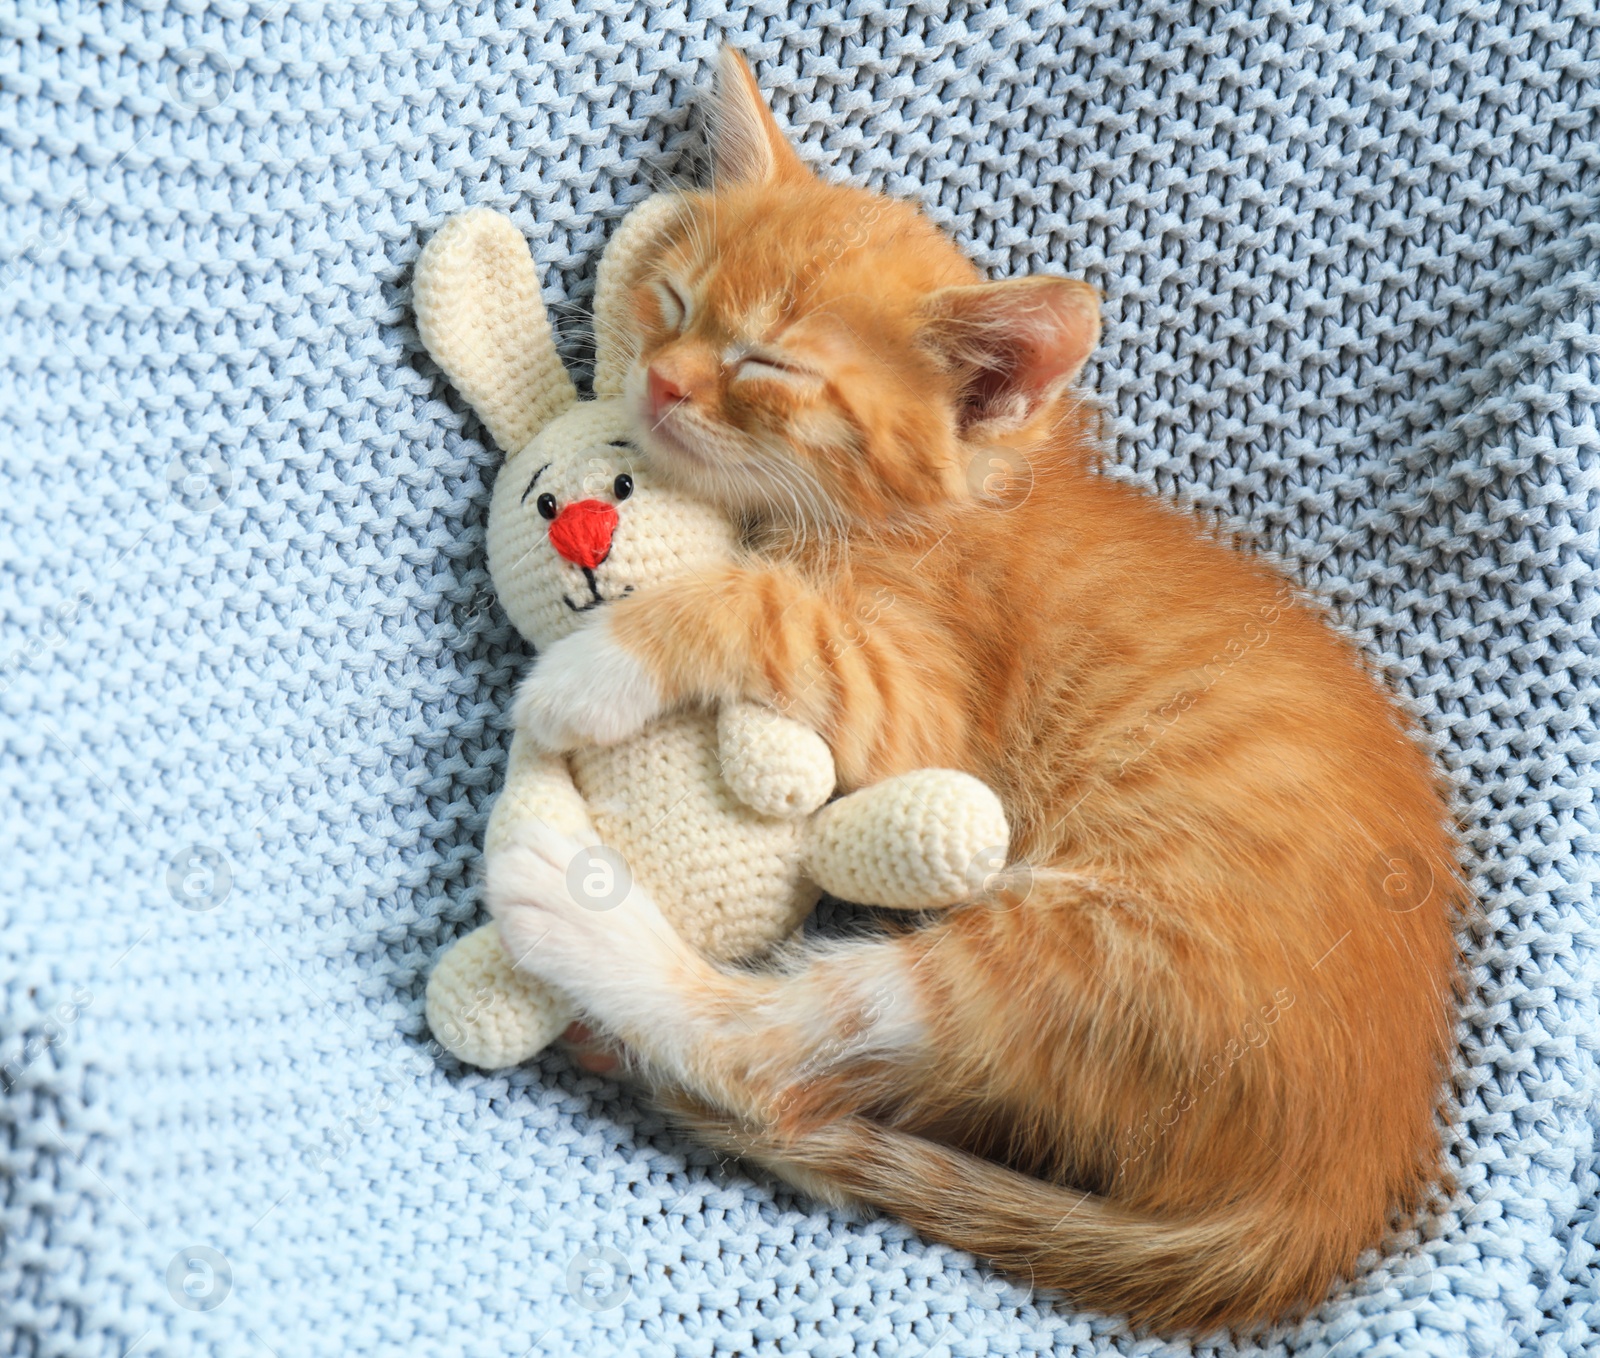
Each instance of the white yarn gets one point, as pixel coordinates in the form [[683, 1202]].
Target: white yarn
[[709, 813]]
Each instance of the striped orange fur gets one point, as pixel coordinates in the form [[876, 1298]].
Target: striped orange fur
[[1185, 1061]]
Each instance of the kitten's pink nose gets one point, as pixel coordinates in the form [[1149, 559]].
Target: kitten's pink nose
[[664, 393]]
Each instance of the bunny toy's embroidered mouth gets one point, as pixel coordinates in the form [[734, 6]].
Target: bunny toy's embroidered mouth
[[595, 597]]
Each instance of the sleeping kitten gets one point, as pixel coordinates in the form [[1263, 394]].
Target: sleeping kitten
[[1183, 1061]]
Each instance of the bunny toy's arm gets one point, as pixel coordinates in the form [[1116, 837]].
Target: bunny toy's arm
[[538, 787], [772, 763], [923, 840]]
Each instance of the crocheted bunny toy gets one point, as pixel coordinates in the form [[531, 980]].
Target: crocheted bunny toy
[[721, 816]]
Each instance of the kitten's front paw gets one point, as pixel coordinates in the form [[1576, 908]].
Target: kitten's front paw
[[586, 690]]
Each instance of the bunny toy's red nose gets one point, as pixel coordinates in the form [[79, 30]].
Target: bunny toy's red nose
[[582, 532]]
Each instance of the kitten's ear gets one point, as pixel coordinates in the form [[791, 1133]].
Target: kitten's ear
[[1014, 346], [747, 145]]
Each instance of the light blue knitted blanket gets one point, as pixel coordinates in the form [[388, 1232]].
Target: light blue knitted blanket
[[253, 683]]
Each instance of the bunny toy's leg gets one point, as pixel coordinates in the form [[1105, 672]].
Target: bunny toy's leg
[[486, 1013], [926, 840], [772, 1047], [479, 1006]]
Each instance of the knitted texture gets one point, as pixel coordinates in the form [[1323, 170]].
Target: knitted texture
[[930, 837], [766, 767], [485, 1012], [497, 350], [728, 871], [255, 685]]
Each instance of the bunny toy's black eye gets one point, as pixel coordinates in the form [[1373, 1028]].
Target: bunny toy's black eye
[[546, 505], [622, 487]]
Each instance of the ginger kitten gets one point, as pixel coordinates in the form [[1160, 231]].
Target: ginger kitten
[[1183, 1064]]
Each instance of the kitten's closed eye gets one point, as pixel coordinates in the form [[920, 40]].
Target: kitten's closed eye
[[674, 306], [764, 367]]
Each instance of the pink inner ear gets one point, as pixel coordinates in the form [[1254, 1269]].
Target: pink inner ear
[[1038, 368], [1056, 334], [1021, 341]]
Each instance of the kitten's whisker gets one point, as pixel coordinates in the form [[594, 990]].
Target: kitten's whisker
[[665, 413]]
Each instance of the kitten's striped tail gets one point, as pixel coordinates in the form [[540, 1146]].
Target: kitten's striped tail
[[1247, 1264]]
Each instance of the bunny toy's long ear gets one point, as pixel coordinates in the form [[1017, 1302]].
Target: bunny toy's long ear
[[479, 314], [626, 255]]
